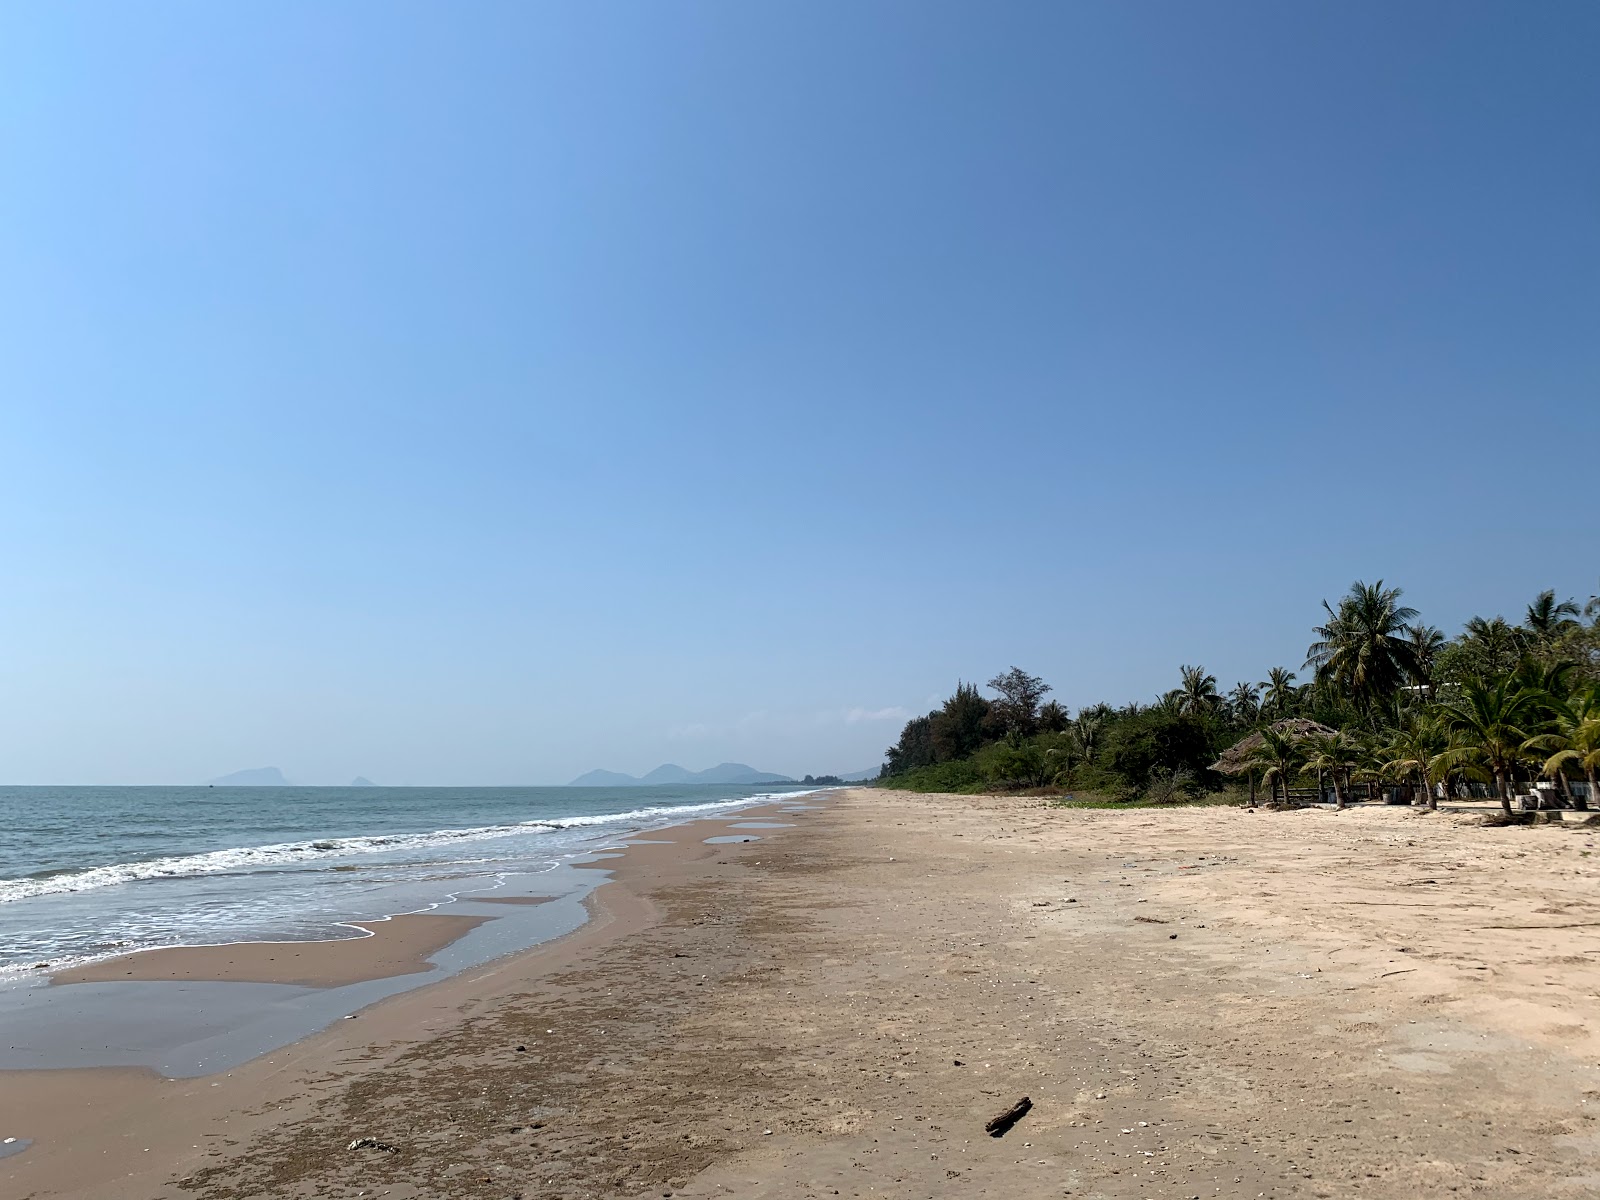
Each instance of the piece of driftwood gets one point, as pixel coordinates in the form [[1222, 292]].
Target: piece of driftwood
[[997, 1126]]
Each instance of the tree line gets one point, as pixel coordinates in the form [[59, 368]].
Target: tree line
[[1382, 700]]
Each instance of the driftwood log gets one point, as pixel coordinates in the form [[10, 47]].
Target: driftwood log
[[997, 1126]]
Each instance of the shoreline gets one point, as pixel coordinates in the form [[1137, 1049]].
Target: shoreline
[[242, 999], [80, 1122], [399, 945], [1210, 1002], [241, 881]]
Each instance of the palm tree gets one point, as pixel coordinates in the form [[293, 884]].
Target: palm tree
[[1331, 753], [1279, 756], [1052, 717], [1546, 618], [1281, 694], [1411, 752], [1244, 704], [1197, 694], [1575, 742], [1426, 642], [1551, 678], [1490, 724], [1492, 646], [1363, 648], [1086, 727]]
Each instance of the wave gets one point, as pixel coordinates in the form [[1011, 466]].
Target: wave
[[252, 859]]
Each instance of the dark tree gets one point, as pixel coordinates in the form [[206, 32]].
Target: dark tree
[[1018, 706], [1157, 738], [957, 728], [1053, 718], [913, 750]]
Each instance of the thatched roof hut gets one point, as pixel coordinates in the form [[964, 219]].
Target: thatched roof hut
[[1235, 759]]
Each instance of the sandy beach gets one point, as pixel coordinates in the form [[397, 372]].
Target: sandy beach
[[1198, 1002], [398, 946]]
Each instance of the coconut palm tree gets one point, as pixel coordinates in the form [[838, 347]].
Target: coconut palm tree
[[1331, 753], [1364, 649], [1411, 751], [1244, 704], [1279, 755], [1575, 741], [1426, 642], [1086, 729], [1052, 717], [1197, 694], [1490, 723], [1491, 646], [1281, 694], [1546, 618]]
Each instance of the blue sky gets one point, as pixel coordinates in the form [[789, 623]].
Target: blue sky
[[481, 394]]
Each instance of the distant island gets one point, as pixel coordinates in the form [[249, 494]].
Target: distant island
[[271, 777], [729, 774], [254, 777], [670, 773]]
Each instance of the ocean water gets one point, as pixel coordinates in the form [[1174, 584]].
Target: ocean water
[[90, 872]]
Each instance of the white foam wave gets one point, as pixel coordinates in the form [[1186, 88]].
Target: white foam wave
[[288, 854]]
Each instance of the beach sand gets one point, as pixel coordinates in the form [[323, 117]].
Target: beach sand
[[1199, 1003], [398, 946]]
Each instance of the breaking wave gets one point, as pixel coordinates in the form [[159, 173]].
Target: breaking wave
[[252, 859]]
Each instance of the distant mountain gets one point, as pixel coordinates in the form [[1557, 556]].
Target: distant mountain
[[362, 781], [668, 773], [737, 773], [255, 777], [604, 779], [732, 774]]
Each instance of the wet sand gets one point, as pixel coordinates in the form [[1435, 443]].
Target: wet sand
[[127, 1132], [398, 946], [508, 899], [1198, 1002]]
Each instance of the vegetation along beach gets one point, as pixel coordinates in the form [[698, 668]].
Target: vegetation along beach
[[890, 600], [1376, 983]]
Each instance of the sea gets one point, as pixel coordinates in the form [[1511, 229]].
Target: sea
[[93, 872]]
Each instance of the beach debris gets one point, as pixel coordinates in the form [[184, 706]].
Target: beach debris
[[958, 1062], [998, 1125], [371, 1143]]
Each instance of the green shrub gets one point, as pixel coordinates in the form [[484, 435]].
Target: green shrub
[[962, 775]]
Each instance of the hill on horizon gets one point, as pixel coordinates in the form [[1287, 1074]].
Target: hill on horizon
[[253, 777], [669, 773]]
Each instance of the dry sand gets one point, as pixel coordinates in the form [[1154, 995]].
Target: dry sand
[[1199, 1002]]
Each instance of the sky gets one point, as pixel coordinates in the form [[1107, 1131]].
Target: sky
[[480, 394]]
